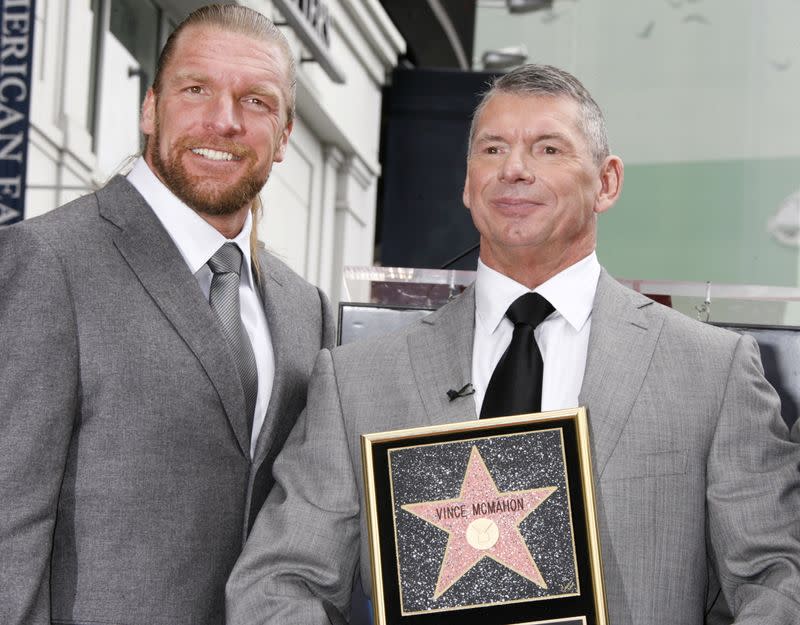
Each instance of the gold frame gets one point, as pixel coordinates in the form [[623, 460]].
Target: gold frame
[[472, 430]]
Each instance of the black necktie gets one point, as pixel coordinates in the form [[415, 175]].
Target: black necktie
[[226, 264], [516, 384]]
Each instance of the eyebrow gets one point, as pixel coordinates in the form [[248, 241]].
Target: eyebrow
[[550, 136], [553, 136], [191, 76], [259, 90], [265, 92], [489, 138]]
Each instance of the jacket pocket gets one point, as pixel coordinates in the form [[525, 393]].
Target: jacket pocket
[[650, 464]]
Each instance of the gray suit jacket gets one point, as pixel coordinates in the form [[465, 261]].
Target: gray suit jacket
[[125, 477], [697, 483]]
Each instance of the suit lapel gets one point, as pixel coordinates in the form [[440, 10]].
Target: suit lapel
[[157, 263], [621, 345], [279, 313], [441, 359]]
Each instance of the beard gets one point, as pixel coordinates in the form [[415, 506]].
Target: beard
[[204, 194]]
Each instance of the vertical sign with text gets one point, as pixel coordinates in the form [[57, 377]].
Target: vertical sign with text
[[17, 19]]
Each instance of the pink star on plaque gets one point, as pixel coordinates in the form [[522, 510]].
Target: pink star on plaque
[[482, 523]]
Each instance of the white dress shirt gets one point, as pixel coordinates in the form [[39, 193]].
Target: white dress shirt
[[197, 241], [563, 337]]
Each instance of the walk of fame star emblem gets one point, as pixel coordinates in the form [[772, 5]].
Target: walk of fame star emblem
[[483, 523]]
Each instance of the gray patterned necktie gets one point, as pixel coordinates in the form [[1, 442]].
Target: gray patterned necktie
[[226, 264]]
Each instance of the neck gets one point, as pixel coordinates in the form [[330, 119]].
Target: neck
[[228, 226], [532, 268]]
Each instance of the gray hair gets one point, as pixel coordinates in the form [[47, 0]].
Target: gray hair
[[237, 19], [546, 80]]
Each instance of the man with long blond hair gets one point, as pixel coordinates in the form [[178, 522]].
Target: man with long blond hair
[[155, 357]]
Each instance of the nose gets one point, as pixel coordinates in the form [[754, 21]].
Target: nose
[[516, 167], [224, 116]]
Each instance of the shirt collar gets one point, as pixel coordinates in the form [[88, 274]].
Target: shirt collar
[[195, 238], [571, 292]]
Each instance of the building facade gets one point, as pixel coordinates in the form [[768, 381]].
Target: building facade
[[94, 59]]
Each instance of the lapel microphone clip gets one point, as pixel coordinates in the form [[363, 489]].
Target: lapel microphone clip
[[464, 391]]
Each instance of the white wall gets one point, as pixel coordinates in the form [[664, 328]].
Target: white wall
[[60, 156], [118, 113], [332, 165]]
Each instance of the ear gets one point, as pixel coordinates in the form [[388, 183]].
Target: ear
[[280, 150], [465, 197], [147, 122], [611, 175]]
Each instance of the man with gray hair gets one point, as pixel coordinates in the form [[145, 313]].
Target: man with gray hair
[[698, 492], [154, 356]]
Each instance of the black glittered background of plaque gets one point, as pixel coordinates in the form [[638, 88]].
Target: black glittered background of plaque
[[517, 462]]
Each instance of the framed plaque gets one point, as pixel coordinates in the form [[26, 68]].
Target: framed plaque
[[488, 521]]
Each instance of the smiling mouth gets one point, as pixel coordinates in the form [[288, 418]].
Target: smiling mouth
[[516, 204], [215, 155], [516, 201]]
